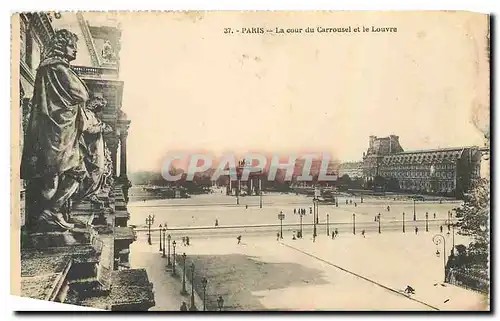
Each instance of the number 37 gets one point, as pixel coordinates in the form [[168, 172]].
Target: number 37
[[227, 30]]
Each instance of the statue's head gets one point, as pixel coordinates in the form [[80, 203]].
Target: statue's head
[[62, 45], [96, 103]]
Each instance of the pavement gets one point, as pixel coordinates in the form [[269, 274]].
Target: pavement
[[349, 273], [167, 288]]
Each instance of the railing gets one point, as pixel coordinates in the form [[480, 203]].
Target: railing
[[468, 281], [96, 72]]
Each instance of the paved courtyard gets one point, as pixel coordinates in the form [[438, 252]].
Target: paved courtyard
[[348, 273], [203, 210]]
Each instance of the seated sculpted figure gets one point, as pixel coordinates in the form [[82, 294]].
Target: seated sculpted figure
[[92, 148], [52, 162]]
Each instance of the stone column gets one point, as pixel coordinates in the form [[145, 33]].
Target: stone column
[[123, 154]]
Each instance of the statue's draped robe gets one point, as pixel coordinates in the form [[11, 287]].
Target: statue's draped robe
[[52, 161], [51, 145], [92, 147]]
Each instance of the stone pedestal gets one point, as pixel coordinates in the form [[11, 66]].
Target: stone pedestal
[[78, 236]]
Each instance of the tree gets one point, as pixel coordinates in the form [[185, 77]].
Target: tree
[[474, 217]]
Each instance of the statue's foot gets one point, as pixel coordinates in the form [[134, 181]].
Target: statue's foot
[[55, 220]]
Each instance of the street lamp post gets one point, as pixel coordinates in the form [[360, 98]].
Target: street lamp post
[[149, 221], [220, 303], [169, 264], [379, 223], [193, 306], [281, 217], [260, 192], [300, 214], [315, 217], [437, 239], [161, 249], [184, 291], [164, 245], [204, 284], [426, 221], [453, 239], [327, 224], [403, 222], [354, 223], [173, 259], [414, 211]]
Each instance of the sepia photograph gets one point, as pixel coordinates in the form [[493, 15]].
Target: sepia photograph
[[242, 161]]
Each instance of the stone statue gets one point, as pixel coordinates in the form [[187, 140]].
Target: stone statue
[[52, 162], [108, 53], [108, 171], [92, 148]]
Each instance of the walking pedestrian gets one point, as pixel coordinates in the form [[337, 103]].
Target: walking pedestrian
[[294, 238], [183, 240], [336, 232], [216, 222], [434, 215], [333, 235], [416, 230], [441, 228], [239, 239], [246, 206], [363, 233], [278, 236], [355, 204], [294, 211], [187, 240]]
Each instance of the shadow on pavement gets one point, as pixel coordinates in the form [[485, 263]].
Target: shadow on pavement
[[236, 276]]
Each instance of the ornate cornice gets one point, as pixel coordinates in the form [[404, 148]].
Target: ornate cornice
[[88, 39]]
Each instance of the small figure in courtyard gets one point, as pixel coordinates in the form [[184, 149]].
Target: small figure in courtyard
[[183, 240], [388, 208], [216, 222], [277, 236], [239, 239], [350, 202], [375, 218], [310, 210], [187, 240], [347, 202], [448, 227], [434, 215], [336, 232], [409, 290], [246, 206], [355, 204], [441, 228], [363, 233], [416, 230], [294, 211], [184, 306], [294, 238], [333, 235]]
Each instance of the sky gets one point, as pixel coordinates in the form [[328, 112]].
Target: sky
[[190, 87]]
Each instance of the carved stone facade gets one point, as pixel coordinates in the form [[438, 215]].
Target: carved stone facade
[[84, 264], [446, 171]]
